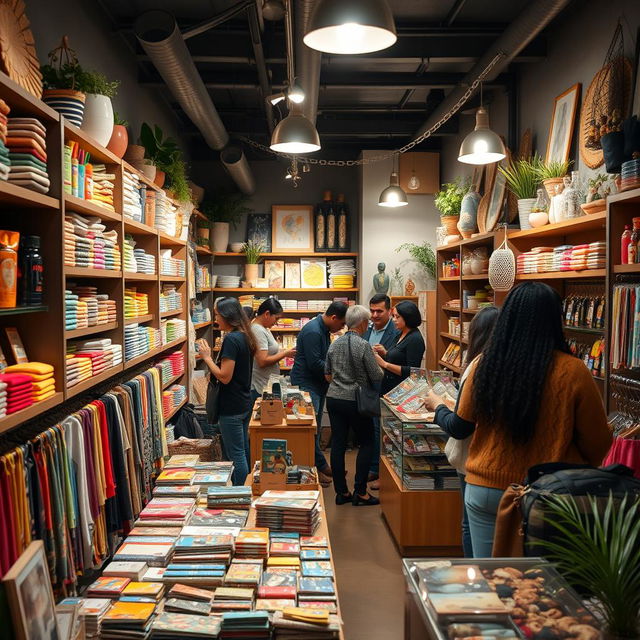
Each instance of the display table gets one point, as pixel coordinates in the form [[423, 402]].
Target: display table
[[300, 439]]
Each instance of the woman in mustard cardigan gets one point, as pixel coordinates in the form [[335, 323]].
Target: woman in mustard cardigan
[[526, 401]]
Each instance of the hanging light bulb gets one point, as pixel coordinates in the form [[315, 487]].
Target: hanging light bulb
[[393, 196], [414, 181], [296, 93], [351, 26], [295, 134]]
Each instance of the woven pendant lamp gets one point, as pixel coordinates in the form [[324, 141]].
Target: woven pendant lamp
[[502, 267]]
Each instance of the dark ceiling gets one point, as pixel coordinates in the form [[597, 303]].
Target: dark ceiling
[[377, 100]]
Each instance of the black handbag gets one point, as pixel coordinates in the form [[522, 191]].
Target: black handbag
[[212, 404], [367, 398]]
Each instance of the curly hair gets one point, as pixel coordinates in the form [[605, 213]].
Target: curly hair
[[510, 377]]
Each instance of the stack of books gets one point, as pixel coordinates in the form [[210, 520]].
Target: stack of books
[[127, 620], [233, 599], [218, 517], [166, 512], [143, 591], [92, 610], [203, 549], [192, 594], [213, 478], [131, 570], [252, 543], [248, 625], [288, 513], [177, 605], [243, 574], [154, 554], [175, 476], [206, 575], [184, 461], [303, 623], [107, 587], [231, 497], [179, 626]]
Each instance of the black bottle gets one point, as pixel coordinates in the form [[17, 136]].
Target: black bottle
[[31, 272]]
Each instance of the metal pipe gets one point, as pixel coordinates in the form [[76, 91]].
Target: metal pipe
[[309, 61], [235, 162], [529, 23], [229, 13], [261, 64], [288, 16]]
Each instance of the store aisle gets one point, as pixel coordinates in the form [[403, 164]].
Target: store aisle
[[368, 568]]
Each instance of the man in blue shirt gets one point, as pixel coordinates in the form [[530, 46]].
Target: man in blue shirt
[[308, 367], [381, 331]]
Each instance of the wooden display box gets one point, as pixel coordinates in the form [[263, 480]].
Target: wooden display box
[[423, 523], [258, 488]]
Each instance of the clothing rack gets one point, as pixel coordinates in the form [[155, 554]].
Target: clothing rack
[[625, 393]]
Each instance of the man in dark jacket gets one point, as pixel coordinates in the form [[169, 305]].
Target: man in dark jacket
[[308, 367], [381, 331]]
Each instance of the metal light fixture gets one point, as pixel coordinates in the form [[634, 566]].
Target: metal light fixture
[[393, 196], [295, 134], [275, 98], [296, 93], [273, 10], [351, 26]]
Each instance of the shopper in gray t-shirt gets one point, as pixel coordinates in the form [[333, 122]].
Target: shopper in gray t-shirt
[[268, 353]]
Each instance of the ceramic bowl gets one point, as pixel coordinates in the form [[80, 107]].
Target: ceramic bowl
[[236, 247], [472, 303], [479, 266]]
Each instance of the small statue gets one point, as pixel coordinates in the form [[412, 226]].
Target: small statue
[[409, 287], [381, 279]]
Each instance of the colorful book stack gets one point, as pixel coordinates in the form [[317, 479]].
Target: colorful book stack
[[207, 550], [302, 622], [27, 384], [179, 626], [211, 478], [243, 574], [253, 543], [173, 397], [139, 339], [127, 620], [92, 611], [245, 624], [133, 196], [170, 266], [108, 587], [5, 163], [170, 298], [143, 591], [233, 599], [173, 329], [103, 185], [135, 303], [233, 518], [288, 513], [27, 143], [229, 497]]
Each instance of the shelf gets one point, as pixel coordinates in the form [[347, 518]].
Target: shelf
[[138, 228], [624, 196], [597, 221], [479, 276], [139, 319], [584, 330], [174, 343], [302, 311], [452, 309], [169, 314], [97, 151], [172, 380], [204, 251], [199, 215], [172, 278], [175, 410], [259, 291], [286, 329], [83, 272], [626, 268], [204, 290], [16, 311], [16, 419], [141, 358], [83, 386], [450, 336], [89, 208], [449, 279], [24, 103], [480, 238], [140, 176], [453, 367], [129, 275], [169, 241], [471, 311], [87, 331], [202, 325], [289, 254], [16, 196], [452, 247], [563, 275]]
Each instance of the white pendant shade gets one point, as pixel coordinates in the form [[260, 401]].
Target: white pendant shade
[[295, 134], [393, 195], [351, 26], [482, 146]]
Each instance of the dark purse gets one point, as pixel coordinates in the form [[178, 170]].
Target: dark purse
[[212, 404], [367, 398]]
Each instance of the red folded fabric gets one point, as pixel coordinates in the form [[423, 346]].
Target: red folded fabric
[[19, 407], [16, 397], [15, 379]]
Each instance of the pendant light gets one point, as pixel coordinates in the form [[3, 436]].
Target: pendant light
[[414, 181], [296, 93], [393, 196], [482, 146], [502, 267], [351, 26], [295, 134]]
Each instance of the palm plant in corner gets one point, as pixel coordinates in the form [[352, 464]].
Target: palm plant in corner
[[597, 549]]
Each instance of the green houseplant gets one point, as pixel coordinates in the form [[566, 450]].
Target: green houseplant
[[551, 174], [252, 252], [204, 227], [448, 202], [522, 179], [224, 208], [98, 110], [424, 255], [160, 152], [598, 551]]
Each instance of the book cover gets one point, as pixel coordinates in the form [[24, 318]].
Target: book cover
[[177, 623], [157, 550], [315, 554], [277, 592], [259, 535], [131, 570], [233, 593], [331, 607], [291, 495], [313, 273], [274, 273], [280, 579], [144, 589], [313, 542], [106, 584], [284, 561], [185, 460], [284, 548], [190, 593], [292, 275], [317, 585], [160, 532], [271, 604], [129, 611], [244, 573], [274, 456], [177, 476], [187, 606], [317, 569]]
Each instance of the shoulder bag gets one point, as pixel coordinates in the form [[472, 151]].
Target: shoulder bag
[[367, 398], [212, 404]]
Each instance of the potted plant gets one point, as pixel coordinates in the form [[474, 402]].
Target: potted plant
[[223, 209], [398, 281], [424, 255], [98, 110], [204, 227], [252, 252], [551, 174], [119, 138], [176, 179], [61, 83], [597, 549], [521, 177], [161, 152], [449, 200]]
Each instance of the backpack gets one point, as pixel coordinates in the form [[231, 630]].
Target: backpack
[[567, 479], [186, 423]]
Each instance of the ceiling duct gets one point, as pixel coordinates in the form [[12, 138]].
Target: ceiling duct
[[308, 60], [235, 162], [531, 21]]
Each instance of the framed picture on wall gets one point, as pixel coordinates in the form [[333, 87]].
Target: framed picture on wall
[[562, 125], [30, 596], [259, 229], [292, 228]]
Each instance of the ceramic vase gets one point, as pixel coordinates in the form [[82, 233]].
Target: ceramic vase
[[468, 223], [203, 236], [67, 102], [119, 141], [251, 273], [98, 118], [451, 224], [524, 211], [220, 237], [148, 170], [160, 178], [550, 185], [538, 219], [134, 153]]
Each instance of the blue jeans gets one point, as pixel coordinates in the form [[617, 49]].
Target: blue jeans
[[467, 548], [235, 438], [375, 456], [482, 508], [318, 406]]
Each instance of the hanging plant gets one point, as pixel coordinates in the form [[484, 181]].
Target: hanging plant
[[63, 70]]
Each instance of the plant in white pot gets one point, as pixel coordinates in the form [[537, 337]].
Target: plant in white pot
[[98, 111], [252, 252], [224, 209], [521, 177], [448, 201]]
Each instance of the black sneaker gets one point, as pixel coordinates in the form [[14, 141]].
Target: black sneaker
[[362, 502], [342, 499]]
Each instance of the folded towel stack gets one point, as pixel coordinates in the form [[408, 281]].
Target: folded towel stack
[[172, 398], [170, 298], [136, 303], [103, 184], [128, 246], [5, 162], [133, 194], [17, 393], [173, 329], [70, 310], [34, 382], [90, 358], [139, 339], [27, 144], [145, 262], [89, 245], [170, 266]]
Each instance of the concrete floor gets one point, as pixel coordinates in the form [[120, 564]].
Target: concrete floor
[[369, 576]]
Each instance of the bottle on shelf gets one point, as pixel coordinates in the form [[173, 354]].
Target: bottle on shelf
[[632, 252], [332, 223], [343, 225], [624, 244], [321, 225], [9, 243], [31, 272]]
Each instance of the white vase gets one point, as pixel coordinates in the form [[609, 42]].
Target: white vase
[[220, 237], [98, 118], [524, 210]]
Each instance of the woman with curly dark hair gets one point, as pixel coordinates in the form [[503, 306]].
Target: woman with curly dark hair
[[526, 401]]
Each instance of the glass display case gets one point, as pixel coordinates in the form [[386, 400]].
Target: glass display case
[[498, 597]]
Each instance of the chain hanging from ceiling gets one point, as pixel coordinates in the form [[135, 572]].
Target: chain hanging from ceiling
[[407, 147]]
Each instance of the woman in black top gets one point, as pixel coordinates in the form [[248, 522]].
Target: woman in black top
[[407, 351], [234, 373]]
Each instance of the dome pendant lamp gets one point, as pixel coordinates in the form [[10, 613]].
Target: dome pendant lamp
[[295, 134], [482, 146], [393, 196], [351, 26]]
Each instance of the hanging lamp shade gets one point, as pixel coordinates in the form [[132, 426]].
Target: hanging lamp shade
[[482, 146], [502, 267], [351, 26], [295, 134], [393, 195]]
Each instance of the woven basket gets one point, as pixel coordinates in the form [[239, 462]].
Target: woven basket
[[451, 224], [209, 449]]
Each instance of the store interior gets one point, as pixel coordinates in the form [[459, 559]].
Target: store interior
[[159, 157]]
